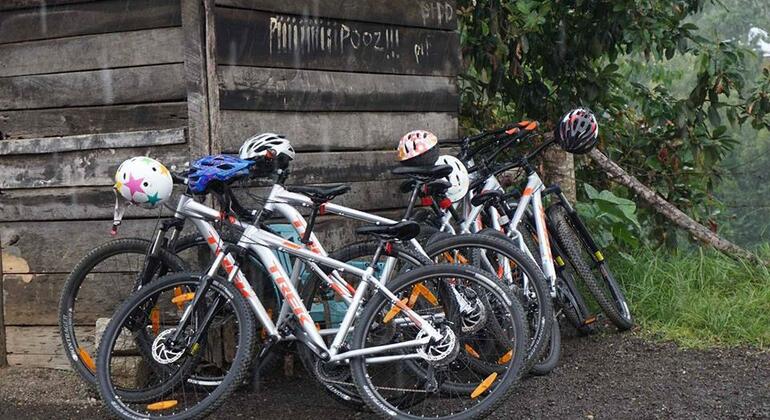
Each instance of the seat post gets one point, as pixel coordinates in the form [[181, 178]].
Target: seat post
[[412, 200], [309, 229]]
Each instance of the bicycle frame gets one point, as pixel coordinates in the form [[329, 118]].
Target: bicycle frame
[[262, 243]]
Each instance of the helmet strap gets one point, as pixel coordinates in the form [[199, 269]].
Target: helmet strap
[[120, 209]]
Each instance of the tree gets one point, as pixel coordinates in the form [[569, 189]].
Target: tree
[[537, 59]]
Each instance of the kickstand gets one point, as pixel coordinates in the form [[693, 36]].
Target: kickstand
[[258, 365]]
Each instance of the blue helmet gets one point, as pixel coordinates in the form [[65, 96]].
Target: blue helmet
[[223, 168]]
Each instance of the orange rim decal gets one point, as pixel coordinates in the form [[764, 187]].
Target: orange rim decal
[[484, 385], [184, 297], [155, 320], [177, 293], [393, 311], [162, 405], [505, 358], [471, 351], [87, 359]]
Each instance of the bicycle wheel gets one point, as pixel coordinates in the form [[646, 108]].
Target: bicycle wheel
[[607, 292], [552, 354], [97, 285], [412, 382], [526, 280], [335, 378], [140, 381]]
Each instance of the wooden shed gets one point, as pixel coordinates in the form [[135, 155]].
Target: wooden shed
[[86, 84]]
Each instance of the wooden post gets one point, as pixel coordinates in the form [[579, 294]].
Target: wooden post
[[193, 28], [212, 80], [3, 358]]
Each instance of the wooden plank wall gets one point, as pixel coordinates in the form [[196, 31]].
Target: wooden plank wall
[[87, 84], [343, 80], [83, 86]]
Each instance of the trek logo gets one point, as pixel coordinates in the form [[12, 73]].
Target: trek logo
[[291, 297]]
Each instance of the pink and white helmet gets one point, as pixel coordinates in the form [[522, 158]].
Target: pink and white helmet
[[418, 148]]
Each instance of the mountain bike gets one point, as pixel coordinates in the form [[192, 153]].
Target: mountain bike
[[402, 350], [573, 242]]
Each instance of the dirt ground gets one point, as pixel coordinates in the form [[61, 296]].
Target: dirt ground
[[609, 376]]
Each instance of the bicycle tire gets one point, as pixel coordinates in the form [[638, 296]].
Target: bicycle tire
[[494, 395], [544, 318], [575, 249], [346, 395], [80, 359], [550, 360], [117, 400]]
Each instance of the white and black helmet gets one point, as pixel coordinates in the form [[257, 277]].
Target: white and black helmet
[[259, 145], [458, 178]]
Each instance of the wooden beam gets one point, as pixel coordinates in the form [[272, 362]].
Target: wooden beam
[[212, 80], [326, 131], [46, 361], [267, 89], [93, 141], [193, 25], [3, 358], [93, 203], [85, 18], [30, 256], [37, 4], [92, 52], [251, 38], [159, 83], [55, 122], [78, 168], [424, 13], [55, 247]]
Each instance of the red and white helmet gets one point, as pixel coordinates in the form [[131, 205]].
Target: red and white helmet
[[417, 148], [458, 179], [577, 131]]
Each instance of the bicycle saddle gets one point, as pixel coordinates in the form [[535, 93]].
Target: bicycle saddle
[[402, 231], [485, 197], [438, 186], [424, 173], [320, 195]]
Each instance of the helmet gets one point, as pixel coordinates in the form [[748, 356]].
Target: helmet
[[577, 131], [258, 145], [223, 168], [143, 181], [418, 148], [458, 178]]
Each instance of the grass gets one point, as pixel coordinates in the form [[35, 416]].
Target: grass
[[698, 299]]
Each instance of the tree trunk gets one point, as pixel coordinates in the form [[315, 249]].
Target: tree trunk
[[559, 168], [702, 233]]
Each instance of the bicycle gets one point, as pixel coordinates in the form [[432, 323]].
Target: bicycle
[[384, 307]]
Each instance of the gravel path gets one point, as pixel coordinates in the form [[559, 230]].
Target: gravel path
[[610, 376]]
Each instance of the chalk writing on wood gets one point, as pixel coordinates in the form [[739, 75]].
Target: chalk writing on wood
[[296, 35]]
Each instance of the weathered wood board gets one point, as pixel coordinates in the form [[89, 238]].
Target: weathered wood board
[[266, 89], [89, 52], [98, 203], [157, 83], [424, 13], [94, 17], [79, 168], [52, 122], [328, 131], [253, 38], [93, 141]]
